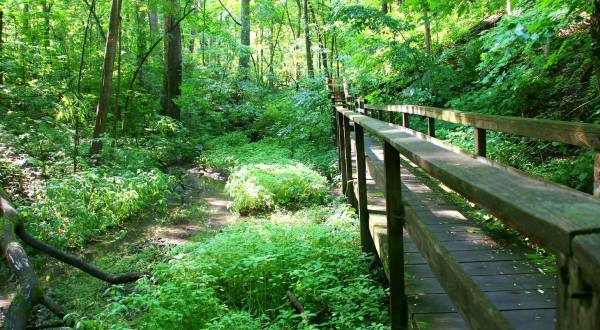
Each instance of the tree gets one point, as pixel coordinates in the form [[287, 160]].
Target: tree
[[1, 43], [172, 62], [245, 39], [427, 27], [107, 75], [309, 63]]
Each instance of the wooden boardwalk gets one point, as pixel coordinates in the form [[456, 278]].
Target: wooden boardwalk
[[501, 275]]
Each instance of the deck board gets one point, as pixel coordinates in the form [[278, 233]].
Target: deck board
[[523, 295]]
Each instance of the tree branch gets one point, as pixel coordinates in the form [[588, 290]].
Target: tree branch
[[230, 14]]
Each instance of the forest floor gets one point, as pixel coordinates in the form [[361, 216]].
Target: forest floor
[[200, 212]]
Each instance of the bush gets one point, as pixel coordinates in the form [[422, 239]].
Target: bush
[[79, 207], [227, 152], [238, 280], [263, 187]]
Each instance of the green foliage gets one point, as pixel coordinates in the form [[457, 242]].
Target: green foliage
[[238, 280], [256, 188], [79, 207]]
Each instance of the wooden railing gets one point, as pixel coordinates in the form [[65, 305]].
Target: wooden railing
[[562, 220]]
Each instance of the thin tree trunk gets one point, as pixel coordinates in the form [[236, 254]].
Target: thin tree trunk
[[1, 43], [245, 39], [595, 33], [172, 63], [47, 8], [508, 7], [107, 75], [141, 43], [427, 28], [309, 63], [384, 6], [322, 48]]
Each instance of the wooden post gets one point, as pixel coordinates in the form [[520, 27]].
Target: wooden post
[[406, 120], [341, 149], [431, 126], [395, 223], [597, 173], [347, 155], [391, 117], [480, 142], [361, 168]]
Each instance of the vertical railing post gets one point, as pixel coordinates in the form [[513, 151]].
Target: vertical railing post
[[431, 126], [395, 223], [391, 117], [597, 173], [347, 158], [405, 120], [480, 141], [361, 173], [341, 149]]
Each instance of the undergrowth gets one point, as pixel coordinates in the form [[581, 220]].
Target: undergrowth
[[239, 279]]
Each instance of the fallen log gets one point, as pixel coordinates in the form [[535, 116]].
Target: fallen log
[[30, 292]]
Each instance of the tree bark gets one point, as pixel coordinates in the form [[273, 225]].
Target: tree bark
[[30, 292], [245, 39], [322, 46], [107, 75], [427, 28], [508, 7], [595, 34], [172, 63], [384, 6], [309, 63], [1, 43], [141, 43]]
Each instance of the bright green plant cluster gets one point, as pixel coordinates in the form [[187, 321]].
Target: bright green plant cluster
[[262, 187], [239, 279], [79, 207]]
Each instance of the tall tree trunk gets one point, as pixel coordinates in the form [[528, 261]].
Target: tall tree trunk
[[508, 7], [245, 39], [141, 43], [47, 8], [107, 75], [595, 33], [1, 43], [427, 28], [309, 63], [384, 6], [153, 22], [322, 46], [172, 63]]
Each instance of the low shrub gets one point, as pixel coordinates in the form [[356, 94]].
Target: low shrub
[[76, 208], [224, 157], [239, 279], [262, 187]]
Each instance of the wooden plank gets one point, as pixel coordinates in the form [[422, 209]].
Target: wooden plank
[[473, 305], [363, 212], [580, 134], [586, 253], [480, 141], [406, 120], [597, 173], [431, 126], [446, 321], [547, 212], [532, 319], [488, 267], [341, 149], [395, 223], [347, 154]]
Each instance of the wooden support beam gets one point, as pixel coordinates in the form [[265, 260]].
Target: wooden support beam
[[406, 120], [347, 154], [366, 241], [597, 173], [341, 150], [480, 142], [431, 126], [391, 117], [395, 223]]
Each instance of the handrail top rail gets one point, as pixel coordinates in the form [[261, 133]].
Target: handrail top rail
[[550, 213], [573, 133]]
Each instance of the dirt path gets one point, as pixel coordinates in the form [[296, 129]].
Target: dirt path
[[199, 213]]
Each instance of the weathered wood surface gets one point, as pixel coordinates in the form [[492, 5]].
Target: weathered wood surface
[[546, 212], [580, 134], [502, 276]]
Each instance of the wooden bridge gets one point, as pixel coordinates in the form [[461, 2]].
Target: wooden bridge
[[445, 270]]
